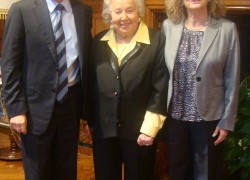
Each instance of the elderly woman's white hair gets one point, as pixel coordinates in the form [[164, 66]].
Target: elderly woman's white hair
[[106, 9]]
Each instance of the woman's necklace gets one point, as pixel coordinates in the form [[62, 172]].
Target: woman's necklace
[[195, 29]]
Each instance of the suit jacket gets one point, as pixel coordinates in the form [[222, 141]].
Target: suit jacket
[[217, 72], [29, 63], [122, 94]]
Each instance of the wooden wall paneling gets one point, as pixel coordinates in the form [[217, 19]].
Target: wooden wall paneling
[[237, 4], [155, 12], [3, 15], [95, 4], [153, 8], [98, 24], [238, 7]]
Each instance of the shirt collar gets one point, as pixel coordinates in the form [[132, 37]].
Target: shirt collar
[[52, 5], [142, 35]]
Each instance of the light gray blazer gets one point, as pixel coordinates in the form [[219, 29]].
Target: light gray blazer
[[217, 72]]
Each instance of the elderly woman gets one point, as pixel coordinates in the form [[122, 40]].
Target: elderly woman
[[129, 84], [202, 55]]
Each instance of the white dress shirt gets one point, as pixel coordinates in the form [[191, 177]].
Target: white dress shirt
[[69, 28]]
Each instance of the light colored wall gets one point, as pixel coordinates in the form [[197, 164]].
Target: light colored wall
[[5, 4]]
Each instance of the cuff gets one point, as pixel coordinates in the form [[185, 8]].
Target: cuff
[[152, 123]]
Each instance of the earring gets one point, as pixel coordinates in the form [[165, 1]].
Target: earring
[[139, 20]]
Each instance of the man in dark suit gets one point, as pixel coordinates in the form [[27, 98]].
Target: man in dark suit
[[31, 66]]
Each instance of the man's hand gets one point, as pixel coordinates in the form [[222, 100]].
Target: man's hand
[[222, 135], [145, 140], [19, 123]]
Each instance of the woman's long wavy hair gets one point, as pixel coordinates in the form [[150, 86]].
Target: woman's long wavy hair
[[176, 11]]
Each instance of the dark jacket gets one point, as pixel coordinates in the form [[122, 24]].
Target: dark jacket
[[121, 95]]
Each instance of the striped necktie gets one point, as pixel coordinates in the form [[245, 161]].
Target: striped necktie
[[62, 88]]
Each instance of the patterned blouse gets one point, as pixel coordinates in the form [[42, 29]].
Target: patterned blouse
[[184, 102]]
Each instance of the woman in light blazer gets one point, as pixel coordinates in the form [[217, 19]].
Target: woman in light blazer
[[202, 55]]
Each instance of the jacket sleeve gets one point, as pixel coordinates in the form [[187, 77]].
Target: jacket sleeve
[[12, 62], [156, 111], [231, 82], [159, 81], [152, 124], [87, 90]]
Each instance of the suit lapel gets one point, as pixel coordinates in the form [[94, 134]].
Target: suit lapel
[[209, 35], [42, 13], [114, 62], [129, 55], [177, 34], [80, 19], [112, 58]]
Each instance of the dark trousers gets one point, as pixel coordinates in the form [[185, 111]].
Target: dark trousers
[[191, 150], [111, 153], [53, 155]]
